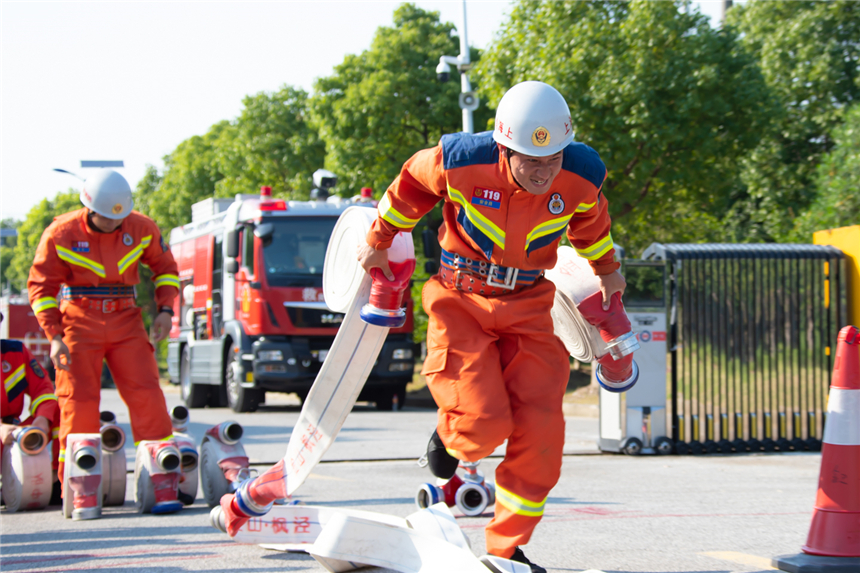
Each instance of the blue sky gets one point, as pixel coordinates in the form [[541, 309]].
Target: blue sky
[[131, 80]]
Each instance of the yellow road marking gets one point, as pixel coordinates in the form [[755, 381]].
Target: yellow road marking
[[741, 558]]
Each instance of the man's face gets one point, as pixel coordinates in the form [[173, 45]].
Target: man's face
[[535, 174], [104, 224]]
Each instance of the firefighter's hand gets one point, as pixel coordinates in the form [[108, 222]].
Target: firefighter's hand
[[160, 327], [43, 424], [609, 285], [371, 258], [6, 431], [58, 351]]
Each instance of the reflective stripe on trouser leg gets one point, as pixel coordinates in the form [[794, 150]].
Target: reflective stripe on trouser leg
[[510, 339], [131, 359]]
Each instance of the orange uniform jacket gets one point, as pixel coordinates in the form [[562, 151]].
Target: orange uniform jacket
[[488, 216], [71, 253], [23, 376]]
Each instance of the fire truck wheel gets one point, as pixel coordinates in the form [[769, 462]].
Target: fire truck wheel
[[194, 395], [391, 399], [239, 399]]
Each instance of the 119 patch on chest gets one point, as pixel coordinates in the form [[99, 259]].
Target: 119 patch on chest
[[487, 198], [81, 246]]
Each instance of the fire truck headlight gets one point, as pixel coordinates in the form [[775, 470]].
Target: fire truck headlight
[[402, 354], [270, 355]]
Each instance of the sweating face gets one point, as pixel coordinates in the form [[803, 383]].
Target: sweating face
[[535, 174]]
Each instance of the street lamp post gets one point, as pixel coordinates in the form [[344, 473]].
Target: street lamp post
[[468, 99]]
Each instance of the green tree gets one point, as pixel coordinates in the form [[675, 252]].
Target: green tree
[[809, 53], [380, 107], [7, 248], [837, 182], [271, 144], [190, 175], [670, 104], [30, 232]]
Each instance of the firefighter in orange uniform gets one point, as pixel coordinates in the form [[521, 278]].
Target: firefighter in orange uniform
[[22, 375], [494, 365], [93, 253]]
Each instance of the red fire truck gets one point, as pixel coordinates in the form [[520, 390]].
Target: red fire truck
[[19, 323], [251, 317]]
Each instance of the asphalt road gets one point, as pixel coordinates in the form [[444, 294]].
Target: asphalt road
[[720, 513]]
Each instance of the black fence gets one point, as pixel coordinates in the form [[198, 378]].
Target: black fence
[[751, 341]]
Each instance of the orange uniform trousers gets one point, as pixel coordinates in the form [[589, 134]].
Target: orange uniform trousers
[[120, 338], [498, 372]]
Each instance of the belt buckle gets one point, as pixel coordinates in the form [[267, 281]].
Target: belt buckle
[[510, 282], [109, 305]]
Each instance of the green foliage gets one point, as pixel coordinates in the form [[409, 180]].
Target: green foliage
[[30, 232], [380, 107], [270, 143], [809, 53], [837, 182], [670, 104], [7, 249]]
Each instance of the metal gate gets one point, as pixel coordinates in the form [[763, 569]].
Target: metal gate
[[752, 330]]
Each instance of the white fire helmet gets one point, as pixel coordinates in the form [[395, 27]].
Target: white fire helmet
[[534, 119], [107, 193]]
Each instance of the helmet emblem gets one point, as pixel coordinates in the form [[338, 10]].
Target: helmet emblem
[[126, 239], [556, 204], [117, 209], [540, 137], [6, 366]]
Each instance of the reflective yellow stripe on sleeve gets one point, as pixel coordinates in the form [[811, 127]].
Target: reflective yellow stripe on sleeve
[[44, 303], [16, 377], [62, 457], [166, 280], [39, 400], [75, 259], [390, 214], [598, 249], [55, 433], [583, 207], [519, 505]]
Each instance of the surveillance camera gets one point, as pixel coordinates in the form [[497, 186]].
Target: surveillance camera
[[443, 71]]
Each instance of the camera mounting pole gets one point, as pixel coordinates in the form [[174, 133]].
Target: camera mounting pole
[[468, 99]]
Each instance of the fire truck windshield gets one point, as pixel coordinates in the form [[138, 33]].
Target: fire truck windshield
[[296, 254]]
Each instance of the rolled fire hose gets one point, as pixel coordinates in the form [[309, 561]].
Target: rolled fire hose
[[26, 470], [347, 288], [588, 332]]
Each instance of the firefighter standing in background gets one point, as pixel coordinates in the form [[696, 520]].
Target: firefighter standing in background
[[494, 365], [21, 375], [94, 252]]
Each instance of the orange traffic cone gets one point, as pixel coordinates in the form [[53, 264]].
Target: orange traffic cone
[[833, 545], [835, 529]]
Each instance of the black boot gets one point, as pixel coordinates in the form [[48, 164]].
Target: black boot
[[56, 496], [442, 464], [519, 557]]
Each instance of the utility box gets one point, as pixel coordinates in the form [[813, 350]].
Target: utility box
[[749, 333], [635, 421]]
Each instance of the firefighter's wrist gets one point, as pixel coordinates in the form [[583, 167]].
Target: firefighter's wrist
[[165, 309]]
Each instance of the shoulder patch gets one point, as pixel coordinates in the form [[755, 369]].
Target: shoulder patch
[[464, 149], [11, 346], [582, 160], [37, 369]]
